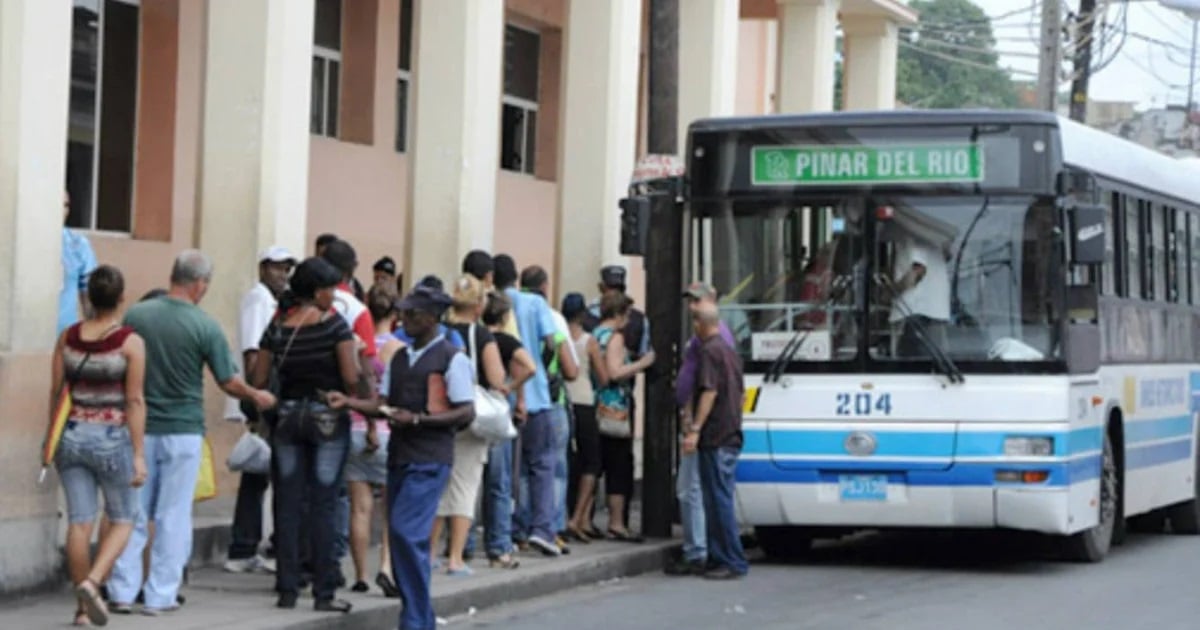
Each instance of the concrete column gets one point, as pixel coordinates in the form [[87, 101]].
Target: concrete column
[[253, 189], [708, 51], [459, 51], [807, 43], [870, 45], [35, 48], [599, 133]]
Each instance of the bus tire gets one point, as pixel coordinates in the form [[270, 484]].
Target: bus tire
[[1185, 517], [1093, 544], [783, 542]]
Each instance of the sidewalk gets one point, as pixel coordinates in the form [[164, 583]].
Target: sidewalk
[[216, 599]]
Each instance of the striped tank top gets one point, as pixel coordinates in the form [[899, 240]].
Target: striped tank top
[[95, 372]]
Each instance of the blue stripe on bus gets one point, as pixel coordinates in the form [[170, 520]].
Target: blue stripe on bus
[[1157, 454], [960, 474], [1137, 431]]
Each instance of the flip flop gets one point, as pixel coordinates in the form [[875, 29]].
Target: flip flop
[[625, 536], [89, 597]]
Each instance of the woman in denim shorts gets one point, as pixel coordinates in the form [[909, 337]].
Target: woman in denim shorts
[[103, 364], [366, 468]]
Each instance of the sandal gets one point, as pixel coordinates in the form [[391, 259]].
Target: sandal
[[333, 605], [385, 584], [505, 561], [578, 535], [81, 620], [625, 536], [89, 598]]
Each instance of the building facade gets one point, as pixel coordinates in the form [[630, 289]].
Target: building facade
[[417, 129]]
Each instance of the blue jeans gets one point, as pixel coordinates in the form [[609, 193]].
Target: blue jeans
[[562, 446], [413, 492], [95, 457], [308, 470], [691, 508], [538, 462], [498, 500], [717, 466], [172, 465]]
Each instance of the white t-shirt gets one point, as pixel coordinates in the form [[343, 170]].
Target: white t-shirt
[[931, 296], [258, 307]]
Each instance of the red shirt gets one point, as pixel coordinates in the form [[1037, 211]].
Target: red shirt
[[357, 316]]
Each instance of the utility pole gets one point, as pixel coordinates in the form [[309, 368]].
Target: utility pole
[[1049, 55], [663, 278], [1085, 27]]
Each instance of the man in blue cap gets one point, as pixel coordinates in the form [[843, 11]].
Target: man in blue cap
[[429, 389]]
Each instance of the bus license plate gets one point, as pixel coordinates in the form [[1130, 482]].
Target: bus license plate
[[863, 487]]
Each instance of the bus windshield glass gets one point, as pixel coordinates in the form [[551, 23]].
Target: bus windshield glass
[[877, 279]]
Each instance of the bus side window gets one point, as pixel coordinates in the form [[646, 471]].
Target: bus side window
[[1132, 249], [1194, 237]]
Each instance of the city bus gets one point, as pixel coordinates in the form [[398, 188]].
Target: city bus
[[953, 319]]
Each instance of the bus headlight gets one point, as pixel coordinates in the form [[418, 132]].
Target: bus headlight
[[1029, 446]]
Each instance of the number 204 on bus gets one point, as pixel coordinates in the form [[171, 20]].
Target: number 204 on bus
[[952, 320]]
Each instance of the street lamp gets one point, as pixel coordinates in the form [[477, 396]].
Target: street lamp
[[1190, 8]]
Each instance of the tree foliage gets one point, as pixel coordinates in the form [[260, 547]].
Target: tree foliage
[[948, 60]]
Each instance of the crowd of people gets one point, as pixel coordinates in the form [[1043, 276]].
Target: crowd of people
[[369, 393]]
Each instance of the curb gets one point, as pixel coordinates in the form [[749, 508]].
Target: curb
[[514, 587]]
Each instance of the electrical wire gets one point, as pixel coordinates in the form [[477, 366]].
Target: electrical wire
[[961, 61]]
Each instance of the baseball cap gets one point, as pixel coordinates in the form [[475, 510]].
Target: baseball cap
[[276, 254], [700, 291], [386, 265], [613, 276], [426, 299], [573, 304]]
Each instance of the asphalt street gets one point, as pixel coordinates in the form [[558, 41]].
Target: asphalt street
[[898, 582]]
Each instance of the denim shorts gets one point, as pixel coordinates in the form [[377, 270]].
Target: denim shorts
[[367, 467], [97, 456]]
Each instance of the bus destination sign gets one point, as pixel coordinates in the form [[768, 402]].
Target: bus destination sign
[[824, 165]]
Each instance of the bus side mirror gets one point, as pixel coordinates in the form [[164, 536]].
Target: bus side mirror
[[635, 225], [1087, 225]]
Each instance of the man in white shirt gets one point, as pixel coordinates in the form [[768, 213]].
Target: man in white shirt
[[257, 310], [923, 282]]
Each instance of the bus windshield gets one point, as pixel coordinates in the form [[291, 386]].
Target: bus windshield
[[877, 279]]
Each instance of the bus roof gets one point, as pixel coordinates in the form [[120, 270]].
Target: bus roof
[[1084, 147]]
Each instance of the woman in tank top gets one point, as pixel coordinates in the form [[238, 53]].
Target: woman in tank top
[[103, 364], [587, 433]]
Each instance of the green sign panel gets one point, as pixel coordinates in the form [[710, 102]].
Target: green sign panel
[[883, 164]]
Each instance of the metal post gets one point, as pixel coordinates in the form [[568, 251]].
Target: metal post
[[1084, 29], [1050, 51], [663, 277]]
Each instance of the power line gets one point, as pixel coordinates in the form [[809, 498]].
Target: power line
[[961, 61], [972, 49], [1157, 18]]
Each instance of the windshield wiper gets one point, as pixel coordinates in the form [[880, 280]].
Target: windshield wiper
[[955, 304], [775, 371], [940, 359]]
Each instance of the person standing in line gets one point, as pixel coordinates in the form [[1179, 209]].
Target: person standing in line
[[384, 273], [687, 484], [581, 391], [312, 351], [430, 396], [346, 302], [716, 434], [614, 415], [352, 285], [103, 364], [538, 454], [366, 469], [78, 260], [498, 498], [257, 310], [180, 340], [562, 367], [470, 452]]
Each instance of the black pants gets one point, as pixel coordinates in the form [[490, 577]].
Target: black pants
[[247, 527]]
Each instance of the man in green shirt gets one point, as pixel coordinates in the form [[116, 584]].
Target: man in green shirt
[[180, 340]]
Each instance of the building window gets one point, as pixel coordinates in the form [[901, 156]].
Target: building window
[[404, 74], [519, 109], [326, 68], [103, 114]]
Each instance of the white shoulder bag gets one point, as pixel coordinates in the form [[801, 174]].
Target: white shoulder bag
[[493, 415]]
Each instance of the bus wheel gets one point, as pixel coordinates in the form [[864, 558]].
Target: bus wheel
[[1185, 517], [783, 542], [1092, 545]]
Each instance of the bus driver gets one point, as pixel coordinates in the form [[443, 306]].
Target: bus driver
[[922, 283]]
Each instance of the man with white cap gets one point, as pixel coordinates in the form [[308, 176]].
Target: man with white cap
[[257, 310]]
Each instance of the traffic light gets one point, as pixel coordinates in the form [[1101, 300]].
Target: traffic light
[[635, 225]]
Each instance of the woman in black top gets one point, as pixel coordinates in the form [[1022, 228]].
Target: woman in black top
[[311, 350]]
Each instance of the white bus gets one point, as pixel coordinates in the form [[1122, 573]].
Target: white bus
[[954, 319]]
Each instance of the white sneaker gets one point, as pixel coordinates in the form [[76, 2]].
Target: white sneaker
[[547, 548], [249, 565]]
